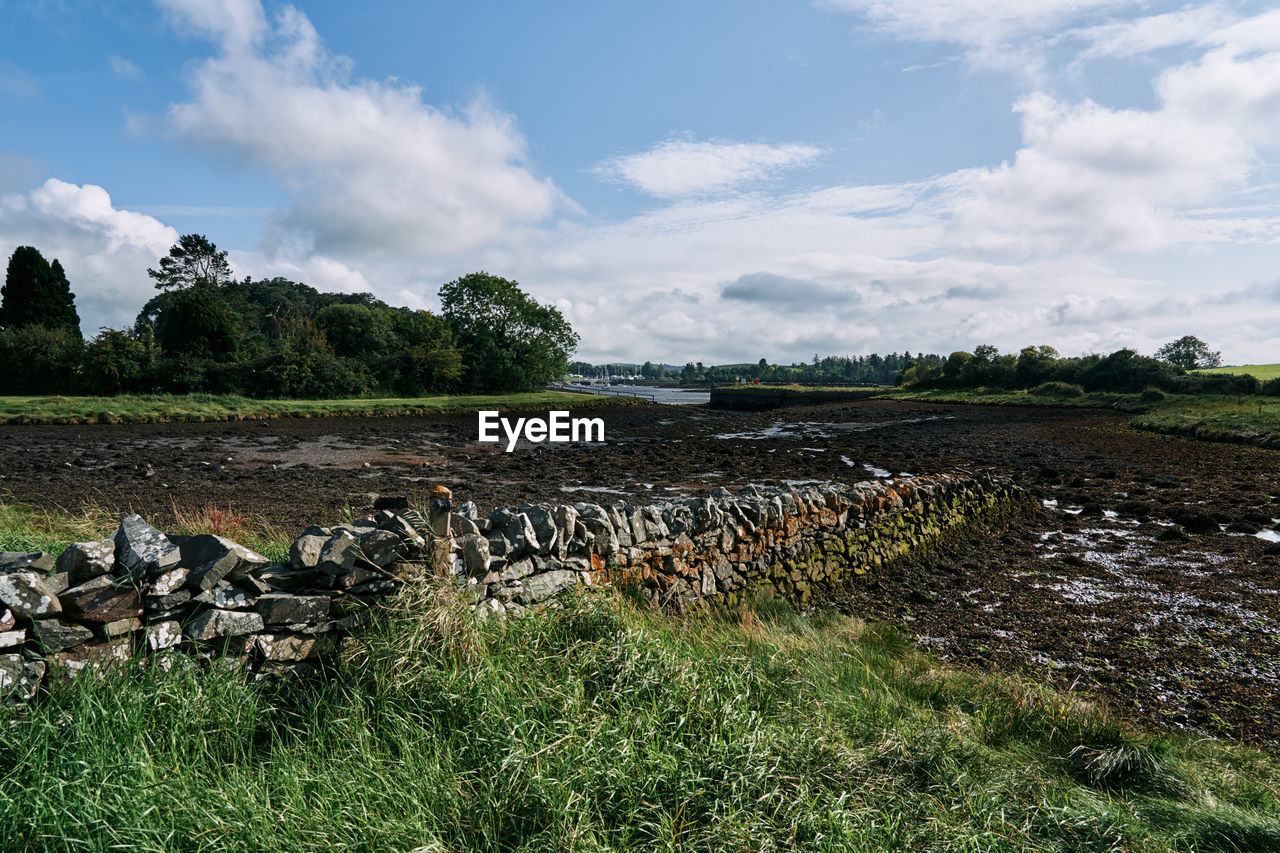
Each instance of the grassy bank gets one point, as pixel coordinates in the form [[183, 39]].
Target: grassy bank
[[171, 408], [1241, 420], [602, 727], [1005, 397]]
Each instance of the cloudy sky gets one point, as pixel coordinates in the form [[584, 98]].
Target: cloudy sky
[[718, 180]]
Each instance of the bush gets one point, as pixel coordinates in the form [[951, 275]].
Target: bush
[[1057, 389], [1216, 383], [1152, 395], [38, 360], [1271, 387], [1126, 371], [113, 362]]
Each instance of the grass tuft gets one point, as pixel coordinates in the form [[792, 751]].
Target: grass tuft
[[27, 528], [601, 725]]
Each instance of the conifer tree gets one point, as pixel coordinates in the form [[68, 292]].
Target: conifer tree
[[60, 312], [37, 293]]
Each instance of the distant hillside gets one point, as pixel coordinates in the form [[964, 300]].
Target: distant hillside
[[1261, 372]]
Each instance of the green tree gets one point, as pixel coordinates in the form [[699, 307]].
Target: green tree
[[1034, 365], [113, 362], [954, 367], [36, 359], [192, 262], [197, 323], [37, 293], [356, 331], [1189, 353], [426, 357], [509, 342]]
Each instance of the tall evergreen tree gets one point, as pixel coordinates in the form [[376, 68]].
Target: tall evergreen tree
[[61, 311], [36, 293]]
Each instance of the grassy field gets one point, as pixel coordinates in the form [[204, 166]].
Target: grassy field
[[170, 408], [1005, 397], [1261, 372], [602, 726], [1243, 420]]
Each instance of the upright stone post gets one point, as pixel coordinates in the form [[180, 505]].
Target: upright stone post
[[441, 536]]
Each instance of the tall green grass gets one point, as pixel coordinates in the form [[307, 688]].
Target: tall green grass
[[600, 726], [28, 528], [169, 408]]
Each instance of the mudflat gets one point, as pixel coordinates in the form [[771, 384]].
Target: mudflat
[[1146, 574]]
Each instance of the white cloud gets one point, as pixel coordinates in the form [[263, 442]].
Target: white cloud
[[1092, 178], [1151, 32], [236, 24], [123, 68], [105, 250], [678, 168], [994, 32], [371, 168]]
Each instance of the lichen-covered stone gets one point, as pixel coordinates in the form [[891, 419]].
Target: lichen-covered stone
[[27, 595], [84, 561], [278, 609], [223, 623], [122, 627], [103, 599], [99, 656], [54, 635], [170, 581], [546, 585], [163, 635], [19, 677], [143, 551], [475, 554], [25, 561], [305, 552], [380, 547]]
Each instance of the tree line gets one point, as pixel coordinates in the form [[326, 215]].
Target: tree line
[[873, 369], [205, 331], [1041, 369]]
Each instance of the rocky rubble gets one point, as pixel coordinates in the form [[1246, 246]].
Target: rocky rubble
[[204, 596], [144, 591]]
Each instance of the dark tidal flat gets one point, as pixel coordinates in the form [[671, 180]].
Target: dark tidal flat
[[1146, 576]]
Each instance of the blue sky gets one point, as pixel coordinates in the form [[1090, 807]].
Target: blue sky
[[713, 181]]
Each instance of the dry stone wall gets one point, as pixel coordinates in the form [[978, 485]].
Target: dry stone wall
[[693, 552], [211, 599]]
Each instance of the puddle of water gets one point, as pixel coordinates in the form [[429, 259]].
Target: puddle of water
[[821, 429], [877, 472], [1268, 535], [601, 489]]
